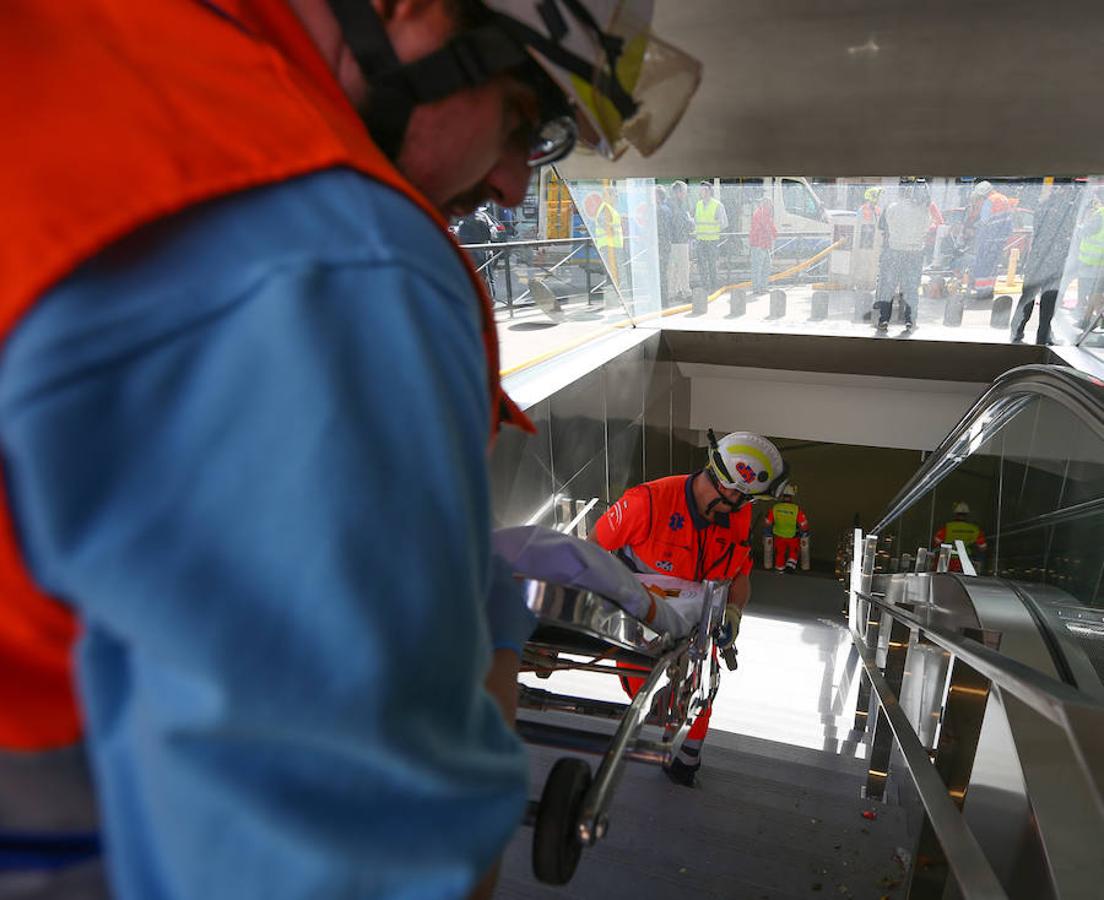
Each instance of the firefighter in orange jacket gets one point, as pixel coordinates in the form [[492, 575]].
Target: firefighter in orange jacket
[[788, 526], [698, 527]]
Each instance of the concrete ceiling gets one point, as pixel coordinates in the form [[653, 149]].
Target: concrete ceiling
[[882, 87]]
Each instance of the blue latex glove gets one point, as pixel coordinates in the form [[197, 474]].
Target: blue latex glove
[[510, 619]]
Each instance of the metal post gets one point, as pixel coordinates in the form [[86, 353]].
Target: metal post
[[944, 562], [922, 556], [882, 746], [586, 269], [509, 283]]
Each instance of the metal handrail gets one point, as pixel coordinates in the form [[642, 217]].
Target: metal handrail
[[1082, 394], [1065, 706]]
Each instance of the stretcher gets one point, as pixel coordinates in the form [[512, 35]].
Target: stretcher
[[593, 613]]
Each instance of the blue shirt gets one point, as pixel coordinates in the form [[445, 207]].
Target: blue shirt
[[248, 445]]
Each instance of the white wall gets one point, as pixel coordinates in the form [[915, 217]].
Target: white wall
[[903, 413]]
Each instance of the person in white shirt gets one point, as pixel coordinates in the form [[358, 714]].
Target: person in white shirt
[[905, 223]]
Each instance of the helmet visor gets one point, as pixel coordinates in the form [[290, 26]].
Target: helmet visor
[[639, 102]]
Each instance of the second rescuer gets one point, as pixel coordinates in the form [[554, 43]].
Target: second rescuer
[[698, 527]]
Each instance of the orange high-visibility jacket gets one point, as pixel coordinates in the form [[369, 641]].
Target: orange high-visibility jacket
[[659, 523], [113, 121]]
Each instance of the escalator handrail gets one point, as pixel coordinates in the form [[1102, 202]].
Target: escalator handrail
[[1076, 713], [1081, 394]]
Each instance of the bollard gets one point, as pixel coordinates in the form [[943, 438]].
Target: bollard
[[952, 311], [737, 303], [819, 310], [777, 304], [1001, 314], [864, 306], [699, 302]]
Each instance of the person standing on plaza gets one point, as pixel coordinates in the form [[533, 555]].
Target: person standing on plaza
[[1090, 263], [682, 229], [1051, 234], [663, 238], [609, 234], [990, 213], [710, 219], [905, 223], [867, 241], [761, 238]]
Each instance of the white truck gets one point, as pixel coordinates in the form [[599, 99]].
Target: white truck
[[805, 225]]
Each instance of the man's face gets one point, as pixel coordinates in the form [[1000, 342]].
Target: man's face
[[704, 193], [472, 146]]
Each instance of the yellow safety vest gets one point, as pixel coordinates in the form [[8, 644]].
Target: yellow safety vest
[[609, 235], [1091, 251], [785, 519], [957, 530], [706, 225]]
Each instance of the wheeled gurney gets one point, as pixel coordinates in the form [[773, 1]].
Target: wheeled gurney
[[593, 613]]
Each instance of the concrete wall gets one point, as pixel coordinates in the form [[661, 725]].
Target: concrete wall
[[901, 413], [881, 87]]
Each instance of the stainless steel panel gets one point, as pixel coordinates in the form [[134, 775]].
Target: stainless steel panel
[[623, 380], [521, 470], [626, 459], [578, 426], [657, 438]]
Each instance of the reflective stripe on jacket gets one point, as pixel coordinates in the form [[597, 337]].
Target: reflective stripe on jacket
[[707, 225], [119, 125]]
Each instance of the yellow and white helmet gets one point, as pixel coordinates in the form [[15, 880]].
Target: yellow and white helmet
[[748, 463], [601, 78]]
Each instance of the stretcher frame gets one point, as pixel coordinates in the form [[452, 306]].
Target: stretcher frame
[[582, 623]]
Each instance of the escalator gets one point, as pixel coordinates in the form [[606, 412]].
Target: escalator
[[971, 758]]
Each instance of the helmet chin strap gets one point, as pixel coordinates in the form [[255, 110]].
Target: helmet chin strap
[[721, 498]]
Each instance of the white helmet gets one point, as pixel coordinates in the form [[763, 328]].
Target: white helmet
[[748, 463], [962, 508], [981, 189], [599, 75], [790, 490]]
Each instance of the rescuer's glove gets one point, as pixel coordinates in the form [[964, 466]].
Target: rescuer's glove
[[726, 635]]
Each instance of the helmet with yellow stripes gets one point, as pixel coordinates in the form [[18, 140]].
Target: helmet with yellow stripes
[[747, 463]]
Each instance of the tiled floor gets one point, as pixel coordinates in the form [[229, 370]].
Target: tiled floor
[[797, 682]]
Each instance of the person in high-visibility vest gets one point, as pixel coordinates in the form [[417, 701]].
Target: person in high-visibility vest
[[961, 528], [1090, 264], [710, 219], [609, 235], [866, 247], [788, 524]]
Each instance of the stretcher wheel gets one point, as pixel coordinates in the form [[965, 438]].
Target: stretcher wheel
[[556, 845]]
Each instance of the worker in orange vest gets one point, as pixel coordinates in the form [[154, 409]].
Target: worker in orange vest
[[788, 526], [697, 527], [230, 308], [990, 213]]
